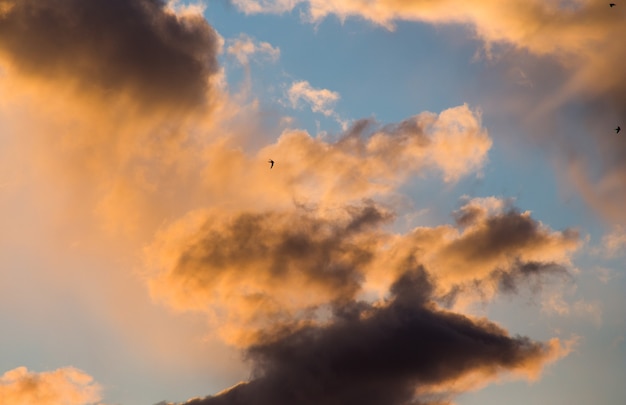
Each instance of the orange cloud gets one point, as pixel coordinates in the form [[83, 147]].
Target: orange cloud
[[369, 160], [247, 269], [279, 257], [66, 386], [492, 248]]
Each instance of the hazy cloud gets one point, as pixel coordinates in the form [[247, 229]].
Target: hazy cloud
[[614, 243]]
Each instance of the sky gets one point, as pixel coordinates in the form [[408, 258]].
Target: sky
[[443, 223]]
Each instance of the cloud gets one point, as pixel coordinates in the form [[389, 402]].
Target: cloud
[[614, 243], [404, 351], [247, 269], [65, 386], [134, 49], [583, 53], [493, 248], [295, 265], [554, 303], [272, 6], [524, 24], [187, 8], [370, 158], [245, 47], [121, 98], [320, 100]]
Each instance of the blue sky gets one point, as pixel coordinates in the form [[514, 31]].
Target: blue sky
[[124, 201]]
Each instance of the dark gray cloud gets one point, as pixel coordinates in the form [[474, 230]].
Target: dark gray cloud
[[380, 355], [113, 46], [510, 231], [281, 245]]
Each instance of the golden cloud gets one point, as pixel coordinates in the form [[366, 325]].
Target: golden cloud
[[65, 386], [248, 269]]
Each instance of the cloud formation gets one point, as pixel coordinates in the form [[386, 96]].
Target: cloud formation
[[296, 265], [65, 386], [367, 160], [247, 270], [578, 36], [492, 248], [404, 351], [371, 158], [137, 49]]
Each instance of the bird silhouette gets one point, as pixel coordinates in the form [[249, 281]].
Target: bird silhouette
[[611, 4], [271, 162], [618, 129]]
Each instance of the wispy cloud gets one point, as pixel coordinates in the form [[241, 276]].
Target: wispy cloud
[[320, 100], [614, 243], [244, 48]]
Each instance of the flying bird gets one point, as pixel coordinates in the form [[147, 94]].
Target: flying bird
[[611, 4], [271, 162], [618, 129]]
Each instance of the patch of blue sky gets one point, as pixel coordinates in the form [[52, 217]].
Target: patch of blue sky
[[360, 61]]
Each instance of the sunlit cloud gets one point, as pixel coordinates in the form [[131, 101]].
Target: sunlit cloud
[[582, 43], [320, 100], [246, 271], [298, 265], [66, 386]]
